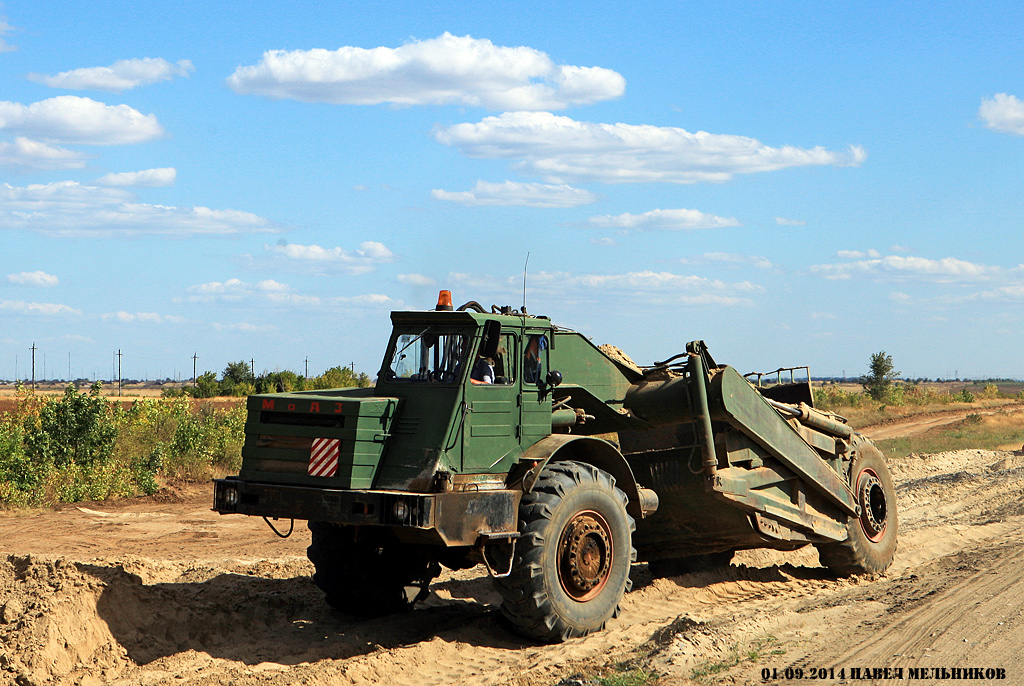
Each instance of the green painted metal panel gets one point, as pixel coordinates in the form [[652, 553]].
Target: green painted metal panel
[[735, 400]]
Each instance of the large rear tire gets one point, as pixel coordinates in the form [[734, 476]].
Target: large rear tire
[[871, 538], [572, 560], [367, 576]]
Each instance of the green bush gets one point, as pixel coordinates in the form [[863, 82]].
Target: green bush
[[991, 391], [964, 396], [339, 377], [831, 397], [81, 447]]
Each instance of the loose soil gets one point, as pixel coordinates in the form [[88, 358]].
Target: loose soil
[[918, 424], [161, 591]]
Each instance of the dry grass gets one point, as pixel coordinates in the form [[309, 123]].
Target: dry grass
[[1002, 430], [873, 414]]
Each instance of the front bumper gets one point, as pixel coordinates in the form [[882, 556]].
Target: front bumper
[[450, 518]]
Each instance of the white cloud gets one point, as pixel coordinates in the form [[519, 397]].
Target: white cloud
[[361, 261], [604, 240], [27, 154], [120, 76], [784, 221], [5, 28], [416, 280], [1003, 113], [142, 317], [948, 269], [640, 281], [734, 259], [45, 309], [73, 119], [271, 286], [151, 178], [1012, 292], [37, 278], [664, 287], [275, 293], [857, 254], [445, 70], [236, 290], [512, 193], [67, 208], [374, 300], [681, 288], [561, 148], [217, 287], [667, 220], [245, 327]]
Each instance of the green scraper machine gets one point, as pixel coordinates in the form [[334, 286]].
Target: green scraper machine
[[497, 438]]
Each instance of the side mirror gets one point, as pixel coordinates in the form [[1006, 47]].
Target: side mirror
[[492, 338], [553, 378]]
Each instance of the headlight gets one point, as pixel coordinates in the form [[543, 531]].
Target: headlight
[[231, 496], [400, 510]]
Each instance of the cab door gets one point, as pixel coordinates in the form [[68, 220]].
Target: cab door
[[536, 407], [491, 425]]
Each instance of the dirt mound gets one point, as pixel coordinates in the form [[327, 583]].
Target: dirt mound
[[63, 620], [619, 356], [210, 600]]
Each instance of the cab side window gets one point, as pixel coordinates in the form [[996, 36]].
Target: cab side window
[[498, 370], [505, 364], [534, 356]]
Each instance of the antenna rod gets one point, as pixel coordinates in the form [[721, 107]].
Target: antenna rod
[[524, 280]]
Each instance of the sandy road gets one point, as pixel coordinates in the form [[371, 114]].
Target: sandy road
[[167, 592]]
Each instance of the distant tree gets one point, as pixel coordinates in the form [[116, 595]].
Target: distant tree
[[237, 379], [238, 372], [340, 377], [206, 386], [275, 382], [879, 381]]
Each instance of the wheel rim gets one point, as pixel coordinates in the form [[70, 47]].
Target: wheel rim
[[585, 555], [873, 508]]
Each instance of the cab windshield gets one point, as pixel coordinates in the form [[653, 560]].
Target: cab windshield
[[430, 355]]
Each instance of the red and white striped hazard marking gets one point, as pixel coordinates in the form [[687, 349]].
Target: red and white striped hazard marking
[[323, 457]]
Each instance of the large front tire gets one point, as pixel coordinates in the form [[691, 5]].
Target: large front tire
[[871, 538], [572, 560], [367, 576]]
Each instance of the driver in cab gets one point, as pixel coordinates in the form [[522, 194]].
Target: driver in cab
[[483, 372]]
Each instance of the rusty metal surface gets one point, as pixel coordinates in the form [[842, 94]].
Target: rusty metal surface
[[452, 519]]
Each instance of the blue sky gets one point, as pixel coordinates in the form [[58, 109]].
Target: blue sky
[[794, 183]]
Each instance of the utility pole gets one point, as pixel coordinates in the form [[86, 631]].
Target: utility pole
[[118, 372], [33, 366], [195, 356], [307, 367]]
